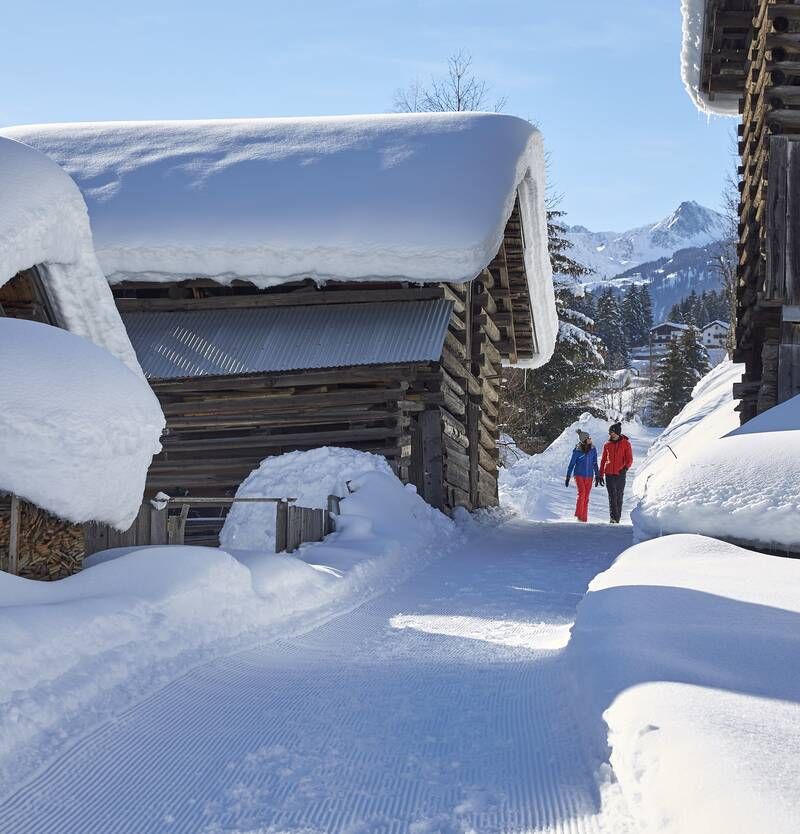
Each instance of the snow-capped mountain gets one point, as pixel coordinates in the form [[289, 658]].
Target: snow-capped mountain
[[672, 279], [611, 253]]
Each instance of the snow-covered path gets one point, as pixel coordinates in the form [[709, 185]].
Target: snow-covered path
[[441, 706]]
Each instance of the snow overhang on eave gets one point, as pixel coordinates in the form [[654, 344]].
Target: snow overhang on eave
[[716, 38]]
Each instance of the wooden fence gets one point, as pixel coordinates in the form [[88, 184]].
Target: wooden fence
[[159, 522], [298, 525]]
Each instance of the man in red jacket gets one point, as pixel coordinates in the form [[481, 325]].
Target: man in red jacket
[[616, 461]]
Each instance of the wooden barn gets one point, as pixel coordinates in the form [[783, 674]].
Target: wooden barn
[[49, 276], [295, 283], [742, 57]]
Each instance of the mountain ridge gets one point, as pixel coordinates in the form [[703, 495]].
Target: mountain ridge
[[609, 254]]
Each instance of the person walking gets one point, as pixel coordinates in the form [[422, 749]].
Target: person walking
[[584, 464], [614, 465]]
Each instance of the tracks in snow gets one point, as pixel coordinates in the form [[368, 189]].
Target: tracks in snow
[[440, 707]]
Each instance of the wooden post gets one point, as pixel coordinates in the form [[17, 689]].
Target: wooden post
[[13, 537], [432, 457], [176, 526], [281, 523]]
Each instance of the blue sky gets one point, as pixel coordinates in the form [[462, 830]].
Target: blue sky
[[600, 79]]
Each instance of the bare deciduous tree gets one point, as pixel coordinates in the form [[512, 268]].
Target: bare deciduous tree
[[725, 256], [459, 89]]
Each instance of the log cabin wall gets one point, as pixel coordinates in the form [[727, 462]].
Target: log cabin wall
[[435, 421], [767, 332]]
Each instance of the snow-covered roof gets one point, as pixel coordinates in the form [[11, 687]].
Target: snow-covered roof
[[694, 17], [723, 324], [675, 325], [44, 223], [78, 429], [417, 197]]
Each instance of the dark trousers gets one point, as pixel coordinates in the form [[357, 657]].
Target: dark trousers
[[615, 484]]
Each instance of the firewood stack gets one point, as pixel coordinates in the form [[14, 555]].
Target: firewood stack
[[49, 548]]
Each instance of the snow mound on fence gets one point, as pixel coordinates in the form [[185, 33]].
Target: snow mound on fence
[[78, 428], [80, 650], [730, 482], [44, 223], [684, 659], [423, 197], [724, 104], [309, 476], [533, 485]]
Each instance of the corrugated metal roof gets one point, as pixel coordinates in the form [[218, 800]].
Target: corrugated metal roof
[[174, 345]]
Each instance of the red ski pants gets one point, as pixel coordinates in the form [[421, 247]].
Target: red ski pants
[[582, 506]]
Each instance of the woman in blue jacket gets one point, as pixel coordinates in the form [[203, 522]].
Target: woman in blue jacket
[[584, 464]]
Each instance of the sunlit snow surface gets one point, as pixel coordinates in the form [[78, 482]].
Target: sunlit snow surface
[[705, 475]]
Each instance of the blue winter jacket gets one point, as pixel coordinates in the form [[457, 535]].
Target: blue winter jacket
[[583, 463]]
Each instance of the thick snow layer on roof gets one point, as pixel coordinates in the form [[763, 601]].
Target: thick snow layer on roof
[[723, 104], [685, 653], [44, 223], [78, 429], [706, 476], [420, 197]]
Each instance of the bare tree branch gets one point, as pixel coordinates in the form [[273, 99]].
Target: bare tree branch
[[458, 90]]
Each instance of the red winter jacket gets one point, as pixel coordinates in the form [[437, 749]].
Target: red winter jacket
[[617, 455]]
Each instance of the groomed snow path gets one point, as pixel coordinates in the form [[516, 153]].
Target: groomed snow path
[[441, 706]]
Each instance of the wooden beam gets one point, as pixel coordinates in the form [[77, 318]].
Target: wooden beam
[[297, 299]]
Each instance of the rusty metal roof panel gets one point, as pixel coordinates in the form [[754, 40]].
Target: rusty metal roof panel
[[176, 345]]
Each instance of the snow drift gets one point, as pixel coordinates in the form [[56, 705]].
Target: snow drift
[[687, 648], [721, 480], [423, 197], [80, 650], [252, 526], [44, 223], [78, 428], [724, 104]]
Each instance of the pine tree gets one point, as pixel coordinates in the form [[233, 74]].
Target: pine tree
[[675, 314], [558, 246], [637, 315], [585, 304], [694, 354], [611, 331], [674, 383], [646, 304]]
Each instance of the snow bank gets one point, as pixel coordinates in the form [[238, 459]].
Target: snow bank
[[44, 223], [422, 197], [724, 481], [724, 104], [533, 486], [78, 429], [687, 647], [310, 477], [82, 649]]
